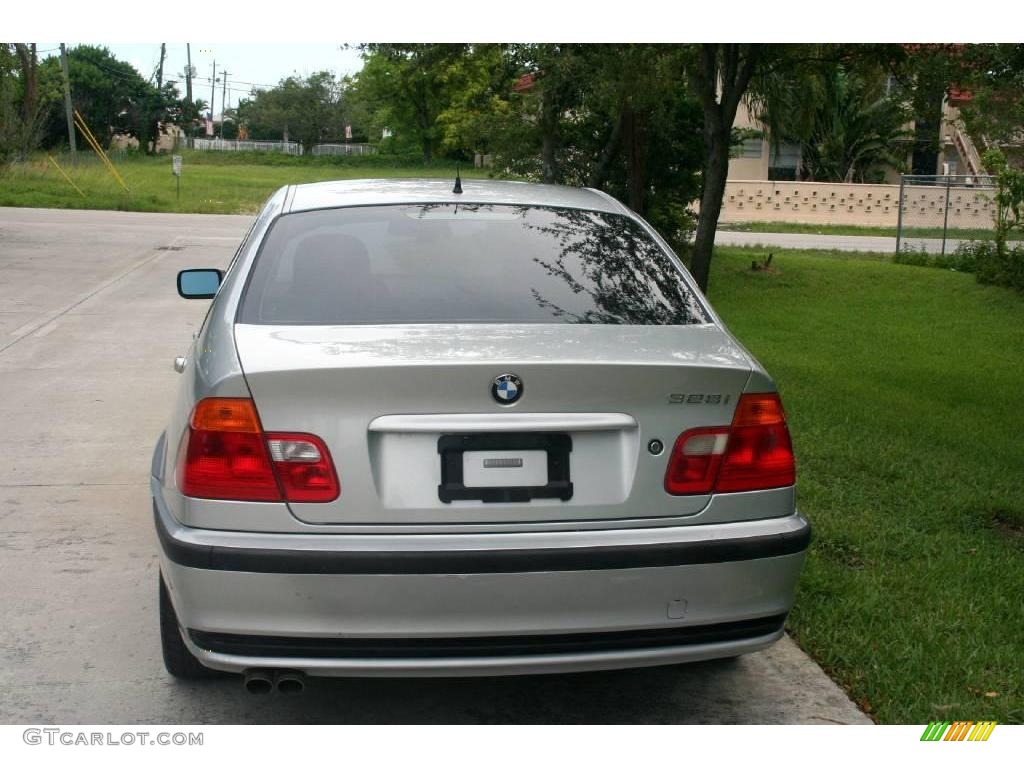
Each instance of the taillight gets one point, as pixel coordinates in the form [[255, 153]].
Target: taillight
[[226, 455], [695, 460], [754, 453], [303, 466]]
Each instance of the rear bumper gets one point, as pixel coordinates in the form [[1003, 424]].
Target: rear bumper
[[480, 604]]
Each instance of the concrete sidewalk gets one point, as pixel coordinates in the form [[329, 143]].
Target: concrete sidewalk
[[89, 325]]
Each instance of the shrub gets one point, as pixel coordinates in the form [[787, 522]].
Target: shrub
[[913, 257], [997, 266]]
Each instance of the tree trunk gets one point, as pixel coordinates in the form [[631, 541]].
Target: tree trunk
[[27, 57], [716, 170], [599, 173], [636, 160], [720, 79], [549, 137], [30, 113]]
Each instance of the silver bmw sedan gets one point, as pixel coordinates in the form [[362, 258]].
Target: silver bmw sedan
[[486, 429]]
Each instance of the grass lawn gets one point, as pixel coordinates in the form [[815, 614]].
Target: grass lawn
[[211, 182], [903, 388], [848, 229]]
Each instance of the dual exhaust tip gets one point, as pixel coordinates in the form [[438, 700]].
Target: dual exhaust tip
[[263, 681]]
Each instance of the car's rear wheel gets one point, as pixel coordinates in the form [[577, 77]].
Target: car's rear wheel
[[178, 660]]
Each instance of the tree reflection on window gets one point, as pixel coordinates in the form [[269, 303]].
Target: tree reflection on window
[[613, 260]]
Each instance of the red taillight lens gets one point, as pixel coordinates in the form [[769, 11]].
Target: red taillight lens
[[695, 459], [755, 453], [304, 467], [224, 455]]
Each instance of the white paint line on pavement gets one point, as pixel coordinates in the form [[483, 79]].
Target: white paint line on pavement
[[29, 328]]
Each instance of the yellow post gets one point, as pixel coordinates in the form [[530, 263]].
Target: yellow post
[[80, 122], [84, 128], [91, 140], [68, 178]]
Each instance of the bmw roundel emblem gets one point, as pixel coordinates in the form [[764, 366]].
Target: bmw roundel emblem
[[507, 388]]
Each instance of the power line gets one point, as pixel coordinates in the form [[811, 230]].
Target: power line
[[241, 82]]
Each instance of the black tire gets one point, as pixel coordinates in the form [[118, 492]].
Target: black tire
[[178, 660]]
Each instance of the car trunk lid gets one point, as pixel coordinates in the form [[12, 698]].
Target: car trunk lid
[[408, 411]]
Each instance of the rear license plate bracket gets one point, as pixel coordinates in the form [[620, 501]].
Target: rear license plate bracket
[[452, 447]]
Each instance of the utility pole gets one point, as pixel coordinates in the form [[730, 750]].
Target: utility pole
[[213, 91], [188, 86], [67, 102], [160, 68], [223, 102], [159, 86]]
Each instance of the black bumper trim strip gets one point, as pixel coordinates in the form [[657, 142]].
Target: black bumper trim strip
[[218, 558], [463, 647]]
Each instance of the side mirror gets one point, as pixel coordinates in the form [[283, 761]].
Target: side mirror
[[199, 283]]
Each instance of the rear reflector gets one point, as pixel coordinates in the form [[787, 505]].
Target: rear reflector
[[225, 455], [754, 453]]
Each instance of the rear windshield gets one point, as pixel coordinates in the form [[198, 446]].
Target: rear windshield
[[450, 263]]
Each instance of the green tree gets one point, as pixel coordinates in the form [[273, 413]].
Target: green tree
[[405, 88], [478, 112], [307, 109], [922, 76], [847, 126], [604, 116], [24, 104], [110, 94], [1009, 196], [994, 74]]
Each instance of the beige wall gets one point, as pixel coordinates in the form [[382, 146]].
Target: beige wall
[[748, 167], [166, 142], [853, 204]]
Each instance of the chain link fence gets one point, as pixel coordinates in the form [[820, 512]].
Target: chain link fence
[[937, 213]]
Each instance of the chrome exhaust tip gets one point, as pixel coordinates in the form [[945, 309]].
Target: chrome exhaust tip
[[257, 681], [289, 682]]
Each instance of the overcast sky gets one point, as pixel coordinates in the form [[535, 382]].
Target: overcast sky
[[247, 64]]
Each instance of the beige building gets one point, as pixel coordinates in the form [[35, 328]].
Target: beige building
[[170, 138], [756, 159], [763, 186]]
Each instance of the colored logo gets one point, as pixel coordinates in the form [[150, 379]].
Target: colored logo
[[507, 388], [961, 730]]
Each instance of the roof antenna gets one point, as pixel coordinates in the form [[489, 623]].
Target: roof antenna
[[457, 189]]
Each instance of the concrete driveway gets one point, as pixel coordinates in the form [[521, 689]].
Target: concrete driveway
[[89, 324]]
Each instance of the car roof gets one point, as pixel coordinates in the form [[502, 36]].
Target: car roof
[[339, 194]]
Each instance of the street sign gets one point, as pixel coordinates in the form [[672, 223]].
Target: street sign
[[176, 170]]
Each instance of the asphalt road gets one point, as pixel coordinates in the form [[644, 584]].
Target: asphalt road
[[89, 324]]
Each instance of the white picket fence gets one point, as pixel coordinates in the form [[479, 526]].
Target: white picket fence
[[343, 149], [228, 145]]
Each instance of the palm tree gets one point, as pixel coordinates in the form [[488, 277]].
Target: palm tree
[[847, 126], [857, 129]]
